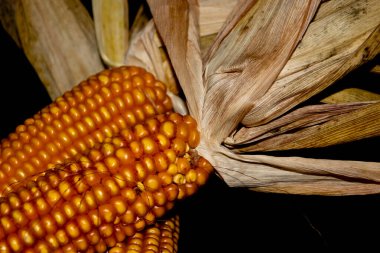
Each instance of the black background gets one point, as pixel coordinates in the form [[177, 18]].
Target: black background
[[223, 219]]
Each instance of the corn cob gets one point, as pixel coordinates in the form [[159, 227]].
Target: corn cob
[[111, 192], [162, 237], [95, 109]]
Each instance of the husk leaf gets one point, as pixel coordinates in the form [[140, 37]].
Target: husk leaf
[[7, 19], [177, 22], [257, 57], [111, 20], [212, 15], [58, 39], [334, 44], [351, 95], [321, 129], [242, 64]]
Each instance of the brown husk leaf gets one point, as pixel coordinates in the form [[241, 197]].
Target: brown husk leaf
[[58, 38], [111, 20], [256, 71]]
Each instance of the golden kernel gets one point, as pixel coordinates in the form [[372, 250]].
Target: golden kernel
[[149, 145], [14, 242], [69, 209], [84, 223], [168, 128], [42, 206], [161, 162], [149, 110], [65, 189], [152, 182], [119, 204], [103, 79], [139, 207], [105, 114], [101, 193], [202, 176], [160, 91], [191, 188], [14, 200], [112, 163], [53, 197], [111, 186], [139, 112], [191, 176], [127, 84], [79, 203], [140, 131], [81, 243], [159, 197], [138, 96], [141, 171], [29, 210], [128, 217], [179, 179], [37, 229], [150, 218], [127, 135], [148, 199], [8, 224], [149, 164], [130, 117], [183, 165], [101, 246], [107, 212], [171, 155], [105, 93], [129, 194], [26, 236], [94, 217], [179, 146], [171, 192], [137, 80], [128, 99], [194, 138], [140, 224], [19, 218], [172, 169], [119, 180], [105, 230], [49, 224], [204, 164], [129, 175], [93, 237], [163, 141], [136, 148], [165, 178]]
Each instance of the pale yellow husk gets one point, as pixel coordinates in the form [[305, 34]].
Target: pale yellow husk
[[268, 57], [58, 38]]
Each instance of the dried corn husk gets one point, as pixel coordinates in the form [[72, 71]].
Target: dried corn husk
[[7, 19], [112, 30], [315, 126], [212, 15], [351, 95], [376, 69], [146, 50], [256, 70], [346, 38], [58, 39]]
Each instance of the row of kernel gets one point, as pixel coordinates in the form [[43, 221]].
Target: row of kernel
[[73, 125]]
